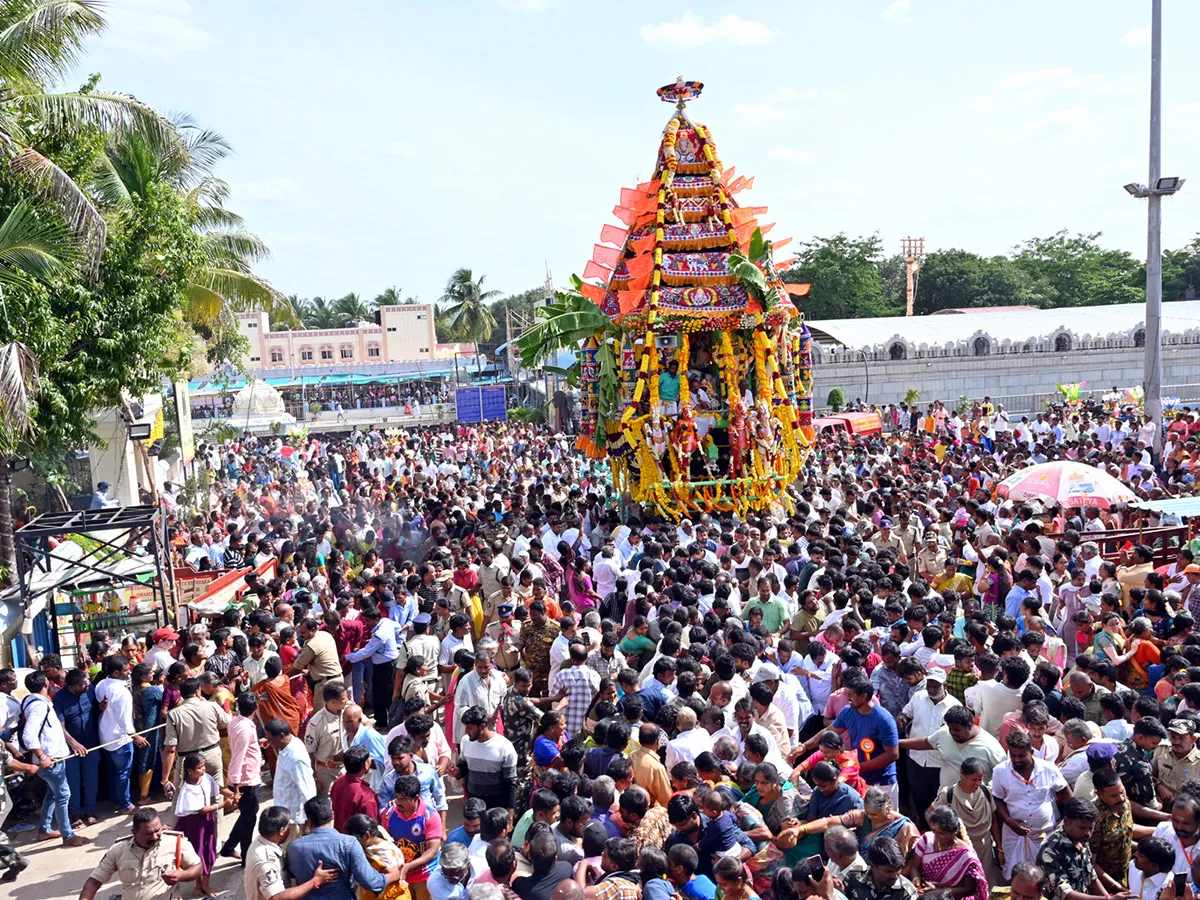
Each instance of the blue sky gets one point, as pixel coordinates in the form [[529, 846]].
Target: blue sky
[[388, 143]]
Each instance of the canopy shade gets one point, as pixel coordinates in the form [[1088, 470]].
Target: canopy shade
[[1067, 483]]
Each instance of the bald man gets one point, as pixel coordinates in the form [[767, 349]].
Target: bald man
[[567, 890], [721, 696], [690, 741]]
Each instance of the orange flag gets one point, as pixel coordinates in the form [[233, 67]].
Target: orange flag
[[593, 292], [643, 244], [594, 270], [606, 256], [640, 265], [650, 187], [727, 176], [629, 300], [611, 234], [744, 214], [628, 216], [781, 243]]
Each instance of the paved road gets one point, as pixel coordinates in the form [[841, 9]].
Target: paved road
[[57, 873]]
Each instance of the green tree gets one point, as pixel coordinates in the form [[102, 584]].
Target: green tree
[[468, 312], [845, 278], [523, 304], [1077, 271], [317, 312], [957, 279], [224, 283], [350, 308], [1181, 270], [40, 41]]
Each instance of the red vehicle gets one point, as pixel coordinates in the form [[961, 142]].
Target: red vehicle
[[852, 423]]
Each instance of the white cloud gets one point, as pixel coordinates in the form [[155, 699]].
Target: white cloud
[[898, 11], [1038, 84], [157, 28], [400, 148], [1136, 37], [791, 154], [525, 5], [279, 188], [770, 109], [691, 31]]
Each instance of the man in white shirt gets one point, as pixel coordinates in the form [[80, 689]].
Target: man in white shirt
[[995, 699], [116, 726], [46, 740], [160, 654], [606, 570], [925, 711], [691, 742]]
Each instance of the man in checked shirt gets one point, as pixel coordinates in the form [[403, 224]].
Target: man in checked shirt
[[581, 683]]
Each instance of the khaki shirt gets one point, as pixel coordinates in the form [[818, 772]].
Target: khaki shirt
[[263, 878], [320, 657], [323, 738], [508, 652], [930, 564], [489, 578], [141, 871], [427, 647], [1173, 771], [195, 725]]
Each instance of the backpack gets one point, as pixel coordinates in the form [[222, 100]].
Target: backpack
[[21, 725]]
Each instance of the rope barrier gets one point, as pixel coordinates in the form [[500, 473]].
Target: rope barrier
[[97, 747]]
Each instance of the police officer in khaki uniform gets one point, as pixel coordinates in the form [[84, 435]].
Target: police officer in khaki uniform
[[506, 632], [263, 876], [151, 863], [931, 560], [319, 657], [194, 726], [324, 738], [423, 644]]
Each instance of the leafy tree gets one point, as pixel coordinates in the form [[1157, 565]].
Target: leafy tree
[[523, 304], [318, 312], [1181, 270], [40, 41], [958, 279], [350, 308], [845, 278], [1077, 271], [467, 312], [224, 283]]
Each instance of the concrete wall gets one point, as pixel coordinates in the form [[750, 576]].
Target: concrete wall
[[1025, 378]]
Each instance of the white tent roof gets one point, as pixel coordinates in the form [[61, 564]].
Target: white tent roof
[[1008, 324]]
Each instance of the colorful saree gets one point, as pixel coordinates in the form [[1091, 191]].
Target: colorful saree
[[948, 868]]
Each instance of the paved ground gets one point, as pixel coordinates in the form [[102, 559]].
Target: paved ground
[[57, 873]]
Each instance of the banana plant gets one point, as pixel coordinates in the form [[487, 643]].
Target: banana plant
[[752, 270]]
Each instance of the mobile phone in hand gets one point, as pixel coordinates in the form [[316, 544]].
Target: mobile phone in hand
[[1180, 884]]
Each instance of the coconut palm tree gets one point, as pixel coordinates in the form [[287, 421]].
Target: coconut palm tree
[[31, 250], [224, 283], [468, 312], [40, 41], [318, 313], [351, 308]]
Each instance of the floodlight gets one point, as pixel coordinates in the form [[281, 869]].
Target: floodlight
[[140, 432], [1133, 189], [1169, 184], [18, 465]]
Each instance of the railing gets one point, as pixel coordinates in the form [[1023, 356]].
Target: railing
[[1165, 541], [1030, 404]]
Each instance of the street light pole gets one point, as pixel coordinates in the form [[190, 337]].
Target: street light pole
[[1152, 374]]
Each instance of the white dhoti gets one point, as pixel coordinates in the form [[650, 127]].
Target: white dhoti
[[1019, 848], [704, 424]]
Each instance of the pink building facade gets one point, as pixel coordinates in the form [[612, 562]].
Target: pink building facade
[[404, 334]]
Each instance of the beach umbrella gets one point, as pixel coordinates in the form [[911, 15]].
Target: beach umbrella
[[1067, 483]]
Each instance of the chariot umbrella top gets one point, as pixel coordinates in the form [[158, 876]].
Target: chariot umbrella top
[[1066, 483]]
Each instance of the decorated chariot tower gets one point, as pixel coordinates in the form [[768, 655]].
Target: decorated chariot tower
[[698, 384]]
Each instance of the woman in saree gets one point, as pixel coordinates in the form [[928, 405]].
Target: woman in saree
[[1142, 654], [579, 587], [945, 858], [975, 808], [998, 583], [148, 710], [548, 742], [832, 797], [411, 685], [774, 819], [875, 820]]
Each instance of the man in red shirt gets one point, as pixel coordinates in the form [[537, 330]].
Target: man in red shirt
[[350, 793], [348, 635]]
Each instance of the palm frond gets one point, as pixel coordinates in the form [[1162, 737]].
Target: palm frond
[[44, 40], [242, 291], [109, 110], [19, 384], [33, 247], [236, 249], [203, 306], [208, 219], [75, 207]]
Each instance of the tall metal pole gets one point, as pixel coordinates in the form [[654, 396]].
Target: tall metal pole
[[1152, 376]]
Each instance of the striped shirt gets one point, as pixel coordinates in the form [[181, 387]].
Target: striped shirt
[[491, 770]]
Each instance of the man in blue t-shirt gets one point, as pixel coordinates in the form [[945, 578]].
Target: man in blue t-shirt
[[872, 734]]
